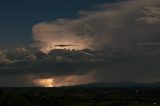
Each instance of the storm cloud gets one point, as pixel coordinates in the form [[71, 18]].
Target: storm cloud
[[121, 24], [123, 38], [127, 30]]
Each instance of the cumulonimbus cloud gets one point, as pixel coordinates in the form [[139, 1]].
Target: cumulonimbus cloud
[[117, 25], [125, 26], [127, 32]]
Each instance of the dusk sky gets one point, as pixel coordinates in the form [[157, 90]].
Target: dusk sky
[[19, 16], [68, 42]]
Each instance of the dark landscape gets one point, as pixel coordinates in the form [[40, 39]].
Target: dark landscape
[[80, 96]]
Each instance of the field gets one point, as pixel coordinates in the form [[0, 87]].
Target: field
[[79, 96]]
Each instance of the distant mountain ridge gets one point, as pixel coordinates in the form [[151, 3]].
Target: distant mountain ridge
[[120, 85]]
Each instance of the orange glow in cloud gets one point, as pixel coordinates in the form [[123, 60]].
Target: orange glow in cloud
[[64, 81], [51, 34], [73, 45], [49, 82]]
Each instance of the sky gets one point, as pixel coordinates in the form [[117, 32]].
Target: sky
[[19, 16], [120, 37]]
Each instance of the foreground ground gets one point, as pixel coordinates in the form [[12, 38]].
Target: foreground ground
[[77, 96]]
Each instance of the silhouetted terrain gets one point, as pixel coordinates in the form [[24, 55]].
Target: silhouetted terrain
[[80, 96], [120, 85]]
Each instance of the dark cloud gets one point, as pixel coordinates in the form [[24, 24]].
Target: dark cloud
[[33, 65], [124, 39]]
